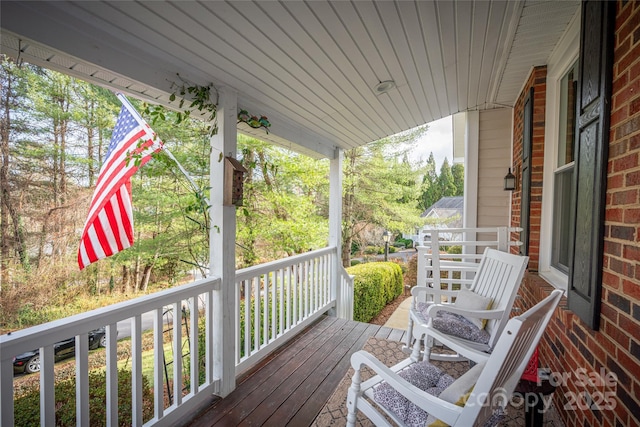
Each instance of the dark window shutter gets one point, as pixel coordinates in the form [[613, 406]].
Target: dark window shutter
[[525, 199], [590, 175]]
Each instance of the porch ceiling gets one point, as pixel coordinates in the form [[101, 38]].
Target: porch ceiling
[[309, 66]]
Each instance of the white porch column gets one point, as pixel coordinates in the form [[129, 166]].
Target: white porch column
[[335, 226], [471, 144], [222, 244]]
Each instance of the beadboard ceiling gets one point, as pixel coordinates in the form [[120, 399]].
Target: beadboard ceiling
[[309, 66]]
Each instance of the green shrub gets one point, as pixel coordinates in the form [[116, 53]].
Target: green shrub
[[27, 406], [355, 262], [404, 243], [371, 250], [454, 249], [375, 285]]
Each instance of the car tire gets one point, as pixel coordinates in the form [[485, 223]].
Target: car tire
[[33, 365], [103, 341]]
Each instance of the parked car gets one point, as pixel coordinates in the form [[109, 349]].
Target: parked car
[[29, 362]]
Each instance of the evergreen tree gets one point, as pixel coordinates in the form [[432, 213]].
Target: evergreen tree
[[457, 170], [445, 180], [430, 190]]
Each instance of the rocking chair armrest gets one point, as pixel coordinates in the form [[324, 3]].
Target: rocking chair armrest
[[479, 314], [441, 409], [454, 343], [417, 290]]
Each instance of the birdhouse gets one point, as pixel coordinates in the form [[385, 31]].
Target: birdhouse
[[233, 182]]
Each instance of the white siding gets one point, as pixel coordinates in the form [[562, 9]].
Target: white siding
[[494, 159]]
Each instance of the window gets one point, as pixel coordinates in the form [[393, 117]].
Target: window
[[563, 172]]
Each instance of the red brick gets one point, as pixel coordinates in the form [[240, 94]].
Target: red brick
[[625, 163], [630, 326], [616, 335], [632, 290], [630, 57], [620, 80], [612, 248], [631, 253], [630, 365], [614, 215], [626, 197], [610, 279], [630, 126], [632, 179], [632, 216], [620, 115], [633, 71], [634, 142], [615, 181]]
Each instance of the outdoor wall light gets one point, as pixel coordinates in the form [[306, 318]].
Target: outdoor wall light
[[509, 181]]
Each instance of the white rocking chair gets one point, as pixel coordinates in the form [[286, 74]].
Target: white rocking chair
[[467, 321], [491, 382]]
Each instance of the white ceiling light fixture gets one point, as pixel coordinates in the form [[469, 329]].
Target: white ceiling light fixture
[[384, 87]]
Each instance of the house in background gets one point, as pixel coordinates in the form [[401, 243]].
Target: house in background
[[446, 213], [548, 89]]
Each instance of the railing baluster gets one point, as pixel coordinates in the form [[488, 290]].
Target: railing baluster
[[194, 356], [177, 353], [247, 319], [6, 391], [295, 293], [136, 370], [112, 374], [274, 304], [208, 310], [82, 380], [47, 387], [256, 318], [281, 293], [158, 362]]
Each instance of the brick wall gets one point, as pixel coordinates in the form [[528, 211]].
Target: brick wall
[[569, 345], [537, 80]]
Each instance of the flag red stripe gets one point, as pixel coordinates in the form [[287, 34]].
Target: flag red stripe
[[125, 212], [102, 239]]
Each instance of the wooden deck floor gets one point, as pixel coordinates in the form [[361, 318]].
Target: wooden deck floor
[[292, 386]]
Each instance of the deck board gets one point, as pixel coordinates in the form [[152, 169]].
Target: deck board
[[292, 386]]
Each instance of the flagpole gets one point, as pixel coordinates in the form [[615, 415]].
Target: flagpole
[[147, 128]]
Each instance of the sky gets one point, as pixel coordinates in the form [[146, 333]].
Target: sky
[[439, 140]]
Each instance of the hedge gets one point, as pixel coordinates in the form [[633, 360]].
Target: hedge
[[27, 406], [375, 285]]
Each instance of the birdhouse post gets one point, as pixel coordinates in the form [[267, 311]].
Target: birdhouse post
[[233, 182]]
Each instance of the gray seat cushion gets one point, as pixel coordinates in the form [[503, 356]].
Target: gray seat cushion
[[423, 375], [457, 326]]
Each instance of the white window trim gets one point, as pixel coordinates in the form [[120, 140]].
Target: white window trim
[[561, 59]]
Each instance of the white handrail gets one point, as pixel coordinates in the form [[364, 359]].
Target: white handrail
[[276, 300], [44, 337]]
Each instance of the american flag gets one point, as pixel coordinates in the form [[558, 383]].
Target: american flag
[[109, 226]]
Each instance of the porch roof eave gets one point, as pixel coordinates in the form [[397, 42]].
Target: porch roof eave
[[311, 68]]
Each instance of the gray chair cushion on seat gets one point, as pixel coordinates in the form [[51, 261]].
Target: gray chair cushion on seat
[[458, 326], [423, 375]]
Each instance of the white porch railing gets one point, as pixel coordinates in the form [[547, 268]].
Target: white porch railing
[[147, 310], [275, 301], [436, 267]]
